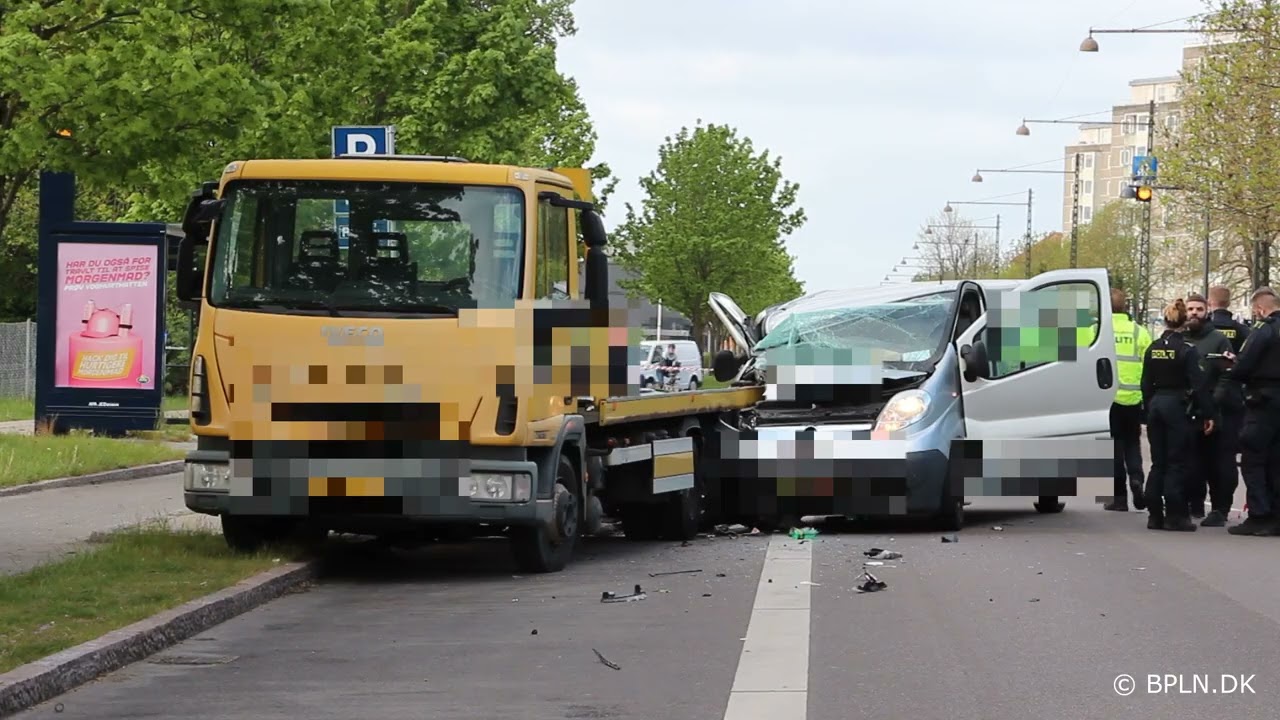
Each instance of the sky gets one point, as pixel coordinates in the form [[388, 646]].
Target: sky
[[880, 110]]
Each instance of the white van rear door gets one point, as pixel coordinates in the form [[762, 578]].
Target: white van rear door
[[1033, 389]]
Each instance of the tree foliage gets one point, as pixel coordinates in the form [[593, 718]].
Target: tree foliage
[[159, 95], [714, 219], [950, 246], [1226, 156]]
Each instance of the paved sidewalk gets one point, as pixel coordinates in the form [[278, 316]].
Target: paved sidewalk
[[46, 525]]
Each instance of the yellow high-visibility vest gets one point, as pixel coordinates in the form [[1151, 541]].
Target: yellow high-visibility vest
[[1132, 341]]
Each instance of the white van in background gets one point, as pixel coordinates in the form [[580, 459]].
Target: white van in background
[[687, 354]]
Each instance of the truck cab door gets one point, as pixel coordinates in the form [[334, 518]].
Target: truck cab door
[[1029, 387]]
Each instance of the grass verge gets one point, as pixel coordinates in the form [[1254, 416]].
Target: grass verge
[[31, 458], [132, 575], [16, 408]]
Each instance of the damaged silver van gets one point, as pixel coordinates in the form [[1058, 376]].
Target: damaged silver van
[[906, 399]]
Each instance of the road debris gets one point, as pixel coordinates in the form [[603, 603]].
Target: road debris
[[952, 538], [871, 584], [804, 533], [735, 530], [873, 563], [1034, 600], [1139, 568], [997, 528], [878, 554], [674, 572], [605, 661], [535, 631], [608, 597], [807, 582], [721, 575]]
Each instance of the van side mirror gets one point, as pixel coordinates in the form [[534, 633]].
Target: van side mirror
[[976, 362], [725, 365]]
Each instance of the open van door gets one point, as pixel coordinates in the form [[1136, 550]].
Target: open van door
[[1021, 387], [740, 327]]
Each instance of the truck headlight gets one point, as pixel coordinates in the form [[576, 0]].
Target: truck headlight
[[905, 409], [496, 487], [208, 477]]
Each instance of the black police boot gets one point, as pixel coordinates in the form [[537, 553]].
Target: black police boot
[[1155, 522], [1271, 529], [1117, 505], [1135, 487], [1197, 510], [1179, 523], [1252, 525], [1215, 518]]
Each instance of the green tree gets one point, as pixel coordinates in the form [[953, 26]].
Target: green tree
[[714, 219], [1226, 156]]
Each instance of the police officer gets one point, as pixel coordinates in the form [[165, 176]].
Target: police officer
[[1214, 349], [1258, 369], [1132, 341], [1228, 395], [1171, 370]]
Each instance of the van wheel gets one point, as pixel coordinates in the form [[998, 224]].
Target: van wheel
[[547, 548], [1049, 504]]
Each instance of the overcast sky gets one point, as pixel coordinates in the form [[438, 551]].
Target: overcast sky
[[880, 109]]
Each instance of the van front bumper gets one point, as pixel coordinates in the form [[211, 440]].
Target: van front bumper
[[831, 470], [431, 490]]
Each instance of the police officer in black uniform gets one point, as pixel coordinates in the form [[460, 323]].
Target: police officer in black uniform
[[1229, 397], [1172, 371], [1258, 369]]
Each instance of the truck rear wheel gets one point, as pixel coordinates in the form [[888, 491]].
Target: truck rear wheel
[[1049, 504], [546, 549]]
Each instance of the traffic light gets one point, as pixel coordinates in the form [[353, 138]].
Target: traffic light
[[1143, 193]]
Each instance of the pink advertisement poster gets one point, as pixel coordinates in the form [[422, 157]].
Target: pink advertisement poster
[[106, 316]]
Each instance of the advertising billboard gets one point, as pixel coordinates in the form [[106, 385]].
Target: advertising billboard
[[106, 315]]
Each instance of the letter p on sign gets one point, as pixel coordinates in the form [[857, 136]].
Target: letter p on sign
[[361, 144]]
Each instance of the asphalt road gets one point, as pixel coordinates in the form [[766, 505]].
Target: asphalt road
[[1036, 620]]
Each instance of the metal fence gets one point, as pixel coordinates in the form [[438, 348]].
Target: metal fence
[[18, 359]]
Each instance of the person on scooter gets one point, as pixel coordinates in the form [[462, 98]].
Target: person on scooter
[[668, 365]]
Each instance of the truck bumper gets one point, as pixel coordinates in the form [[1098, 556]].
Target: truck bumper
[[786, 470], [214, 484]]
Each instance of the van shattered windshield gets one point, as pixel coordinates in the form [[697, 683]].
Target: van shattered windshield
[[367, 247], [905, 331]]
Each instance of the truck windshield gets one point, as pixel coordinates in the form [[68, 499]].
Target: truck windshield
[[911, 329], [367, 247]]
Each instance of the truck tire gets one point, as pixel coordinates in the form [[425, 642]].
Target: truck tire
[[682, 512], [951, 515], [541, 549], [251, 533], [641, 522]]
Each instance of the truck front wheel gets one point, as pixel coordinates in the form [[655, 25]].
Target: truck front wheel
[[545, 549], [251, 533]]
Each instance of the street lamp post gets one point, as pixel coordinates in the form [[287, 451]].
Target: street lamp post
[[1027, 204], [1075, 196]]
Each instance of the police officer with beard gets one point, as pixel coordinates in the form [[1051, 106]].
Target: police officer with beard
[[1214, 349], [1171, 370], [1258, 368]]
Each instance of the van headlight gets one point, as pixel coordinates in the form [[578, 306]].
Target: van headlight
[[905, 409]]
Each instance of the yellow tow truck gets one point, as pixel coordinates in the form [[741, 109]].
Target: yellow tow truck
[[404, 346]]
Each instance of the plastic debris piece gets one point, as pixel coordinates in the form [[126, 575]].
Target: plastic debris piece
[[886, 555], [950, 538], [605, 661], [608, 597], [804, 533], [807, 582], [1034, 600], [535, 631], [997, 528], [871, 584], [872, 552], [734, 529], [1139, 568], [873, 563], [674, 572]]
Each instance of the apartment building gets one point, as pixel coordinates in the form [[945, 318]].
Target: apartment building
[[1107, 150]]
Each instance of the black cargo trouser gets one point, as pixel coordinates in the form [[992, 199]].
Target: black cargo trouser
[[1126, 438], [1260, 460], [1169, 431], [1223, 446]]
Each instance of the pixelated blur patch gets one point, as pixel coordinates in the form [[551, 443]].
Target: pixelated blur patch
[[572, 346], [816, 374], [1048, 325], [1027, 467]]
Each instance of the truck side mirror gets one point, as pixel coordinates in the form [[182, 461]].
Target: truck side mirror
[[190, 272], [725, 365]]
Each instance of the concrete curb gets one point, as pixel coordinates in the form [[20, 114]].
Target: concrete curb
[[31, 684], [129, 473]]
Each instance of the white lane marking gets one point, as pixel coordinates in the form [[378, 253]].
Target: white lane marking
[[772, 680]]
